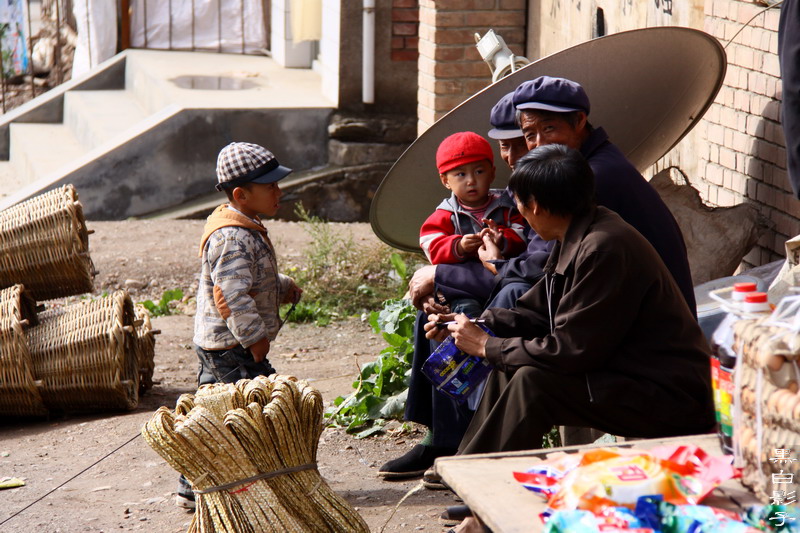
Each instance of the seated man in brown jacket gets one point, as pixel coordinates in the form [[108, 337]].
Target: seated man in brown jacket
[[604, 340]]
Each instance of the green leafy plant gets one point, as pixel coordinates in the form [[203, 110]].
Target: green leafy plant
[[162, 308], [305, 312], [381, 390]]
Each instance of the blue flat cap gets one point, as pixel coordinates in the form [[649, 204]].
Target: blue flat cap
[[503, 119], [551, 94]]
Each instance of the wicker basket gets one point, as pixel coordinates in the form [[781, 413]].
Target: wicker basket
[[44, 245], [19, 395], [145, 347], [767, 406], [85, 355]]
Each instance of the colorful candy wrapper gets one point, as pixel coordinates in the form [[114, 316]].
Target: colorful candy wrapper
[[777, 518], [607, 477]]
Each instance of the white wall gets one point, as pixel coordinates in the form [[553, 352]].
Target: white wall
[[327, 61]]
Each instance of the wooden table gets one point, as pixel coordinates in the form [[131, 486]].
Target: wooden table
[[486, 484]]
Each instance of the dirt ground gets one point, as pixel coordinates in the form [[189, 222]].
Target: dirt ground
[[115, 481]]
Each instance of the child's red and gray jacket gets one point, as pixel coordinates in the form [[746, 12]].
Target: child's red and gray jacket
[[240, 288], [443, 229]]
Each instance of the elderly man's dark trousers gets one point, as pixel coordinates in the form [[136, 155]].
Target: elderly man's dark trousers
[[519, 407]]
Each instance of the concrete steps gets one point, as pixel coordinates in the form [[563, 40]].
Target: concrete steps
[[41, 149], [96, 117], [140, 133]]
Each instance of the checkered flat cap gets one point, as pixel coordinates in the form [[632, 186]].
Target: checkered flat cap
[[240, 163]]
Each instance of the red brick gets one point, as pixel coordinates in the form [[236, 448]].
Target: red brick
[[460, 5], [513, 4], [398, 43], [458, 36], [405, 15], [461, 70], [446, 103], [495, 19], [405, 3], [404, 28], [474, 86], [445, 53], [405, 55], [411, 43], [449, 19]]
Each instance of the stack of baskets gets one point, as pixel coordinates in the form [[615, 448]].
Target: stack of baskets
[[250, 452], [767, 405], [44, 245], [96, 354]]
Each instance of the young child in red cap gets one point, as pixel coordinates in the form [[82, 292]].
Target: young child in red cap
[[455, 231]]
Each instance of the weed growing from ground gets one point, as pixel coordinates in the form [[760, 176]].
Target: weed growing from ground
[[162, 308], [340, 277]]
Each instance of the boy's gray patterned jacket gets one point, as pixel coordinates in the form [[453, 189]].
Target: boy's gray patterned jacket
[[240, 288]]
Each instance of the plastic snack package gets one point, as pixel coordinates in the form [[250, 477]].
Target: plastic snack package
[[577, 521], [700, 519], [607, 477], [455, 373], [544, 477]]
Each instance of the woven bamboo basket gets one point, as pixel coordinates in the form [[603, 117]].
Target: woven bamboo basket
[[85, 355], [145, 347], [19, 394], [44, 244], [767, 406]]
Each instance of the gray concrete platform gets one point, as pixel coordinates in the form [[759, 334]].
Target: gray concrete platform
[[140, 133]]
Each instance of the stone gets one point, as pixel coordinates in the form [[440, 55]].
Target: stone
[[348, 154], [135, 284]]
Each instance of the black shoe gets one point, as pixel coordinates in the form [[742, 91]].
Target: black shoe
[[414, 463], [454, 515]]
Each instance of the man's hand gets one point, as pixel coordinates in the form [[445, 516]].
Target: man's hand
[[259, 350], [432, 331], [431, 307], [293, 293], [469, 338], [421, 285]]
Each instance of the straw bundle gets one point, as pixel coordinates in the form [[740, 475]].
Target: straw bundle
[[19, 395], [145, 347], [249, 451], [767, 405], [44, 245], [85, 355]]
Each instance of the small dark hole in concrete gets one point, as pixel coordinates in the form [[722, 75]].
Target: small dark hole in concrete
[[212, 83]]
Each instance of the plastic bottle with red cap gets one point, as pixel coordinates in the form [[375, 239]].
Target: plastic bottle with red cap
[[723, 361]]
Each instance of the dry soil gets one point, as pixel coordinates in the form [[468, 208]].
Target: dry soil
[[108, 478]]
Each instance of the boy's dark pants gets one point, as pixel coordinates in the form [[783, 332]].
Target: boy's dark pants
[[229, 366]]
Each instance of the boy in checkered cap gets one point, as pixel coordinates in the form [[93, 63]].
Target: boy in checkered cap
[[455, 231], [240, 288]]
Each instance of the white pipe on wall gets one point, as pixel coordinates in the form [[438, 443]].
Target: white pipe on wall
[[368, 53]]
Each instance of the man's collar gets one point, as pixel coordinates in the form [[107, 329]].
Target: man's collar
[[572, 239], [597, 137]]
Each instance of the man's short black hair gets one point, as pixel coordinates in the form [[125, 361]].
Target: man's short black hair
[[557, 177]]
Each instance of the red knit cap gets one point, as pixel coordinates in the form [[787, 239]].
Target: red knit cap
[[462, 148]]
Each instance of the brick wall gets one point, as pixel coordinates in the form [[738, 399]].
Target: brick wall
[[450, 67], [744, 159], [405, 30]]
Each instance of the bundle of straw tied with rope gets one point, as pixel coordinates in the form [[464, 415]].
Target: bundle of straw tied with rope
[[250, 451]]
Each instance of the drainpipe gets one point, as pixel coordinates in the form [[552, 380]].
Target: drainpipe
[[368, 53]]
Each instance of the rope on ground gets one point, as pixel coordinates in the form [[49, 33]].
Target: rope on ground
[[408, 494], [37, 500]]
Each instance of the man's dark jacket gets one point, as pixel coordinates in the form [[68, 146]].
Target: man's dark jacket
[[619, 187], [617, 316]]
